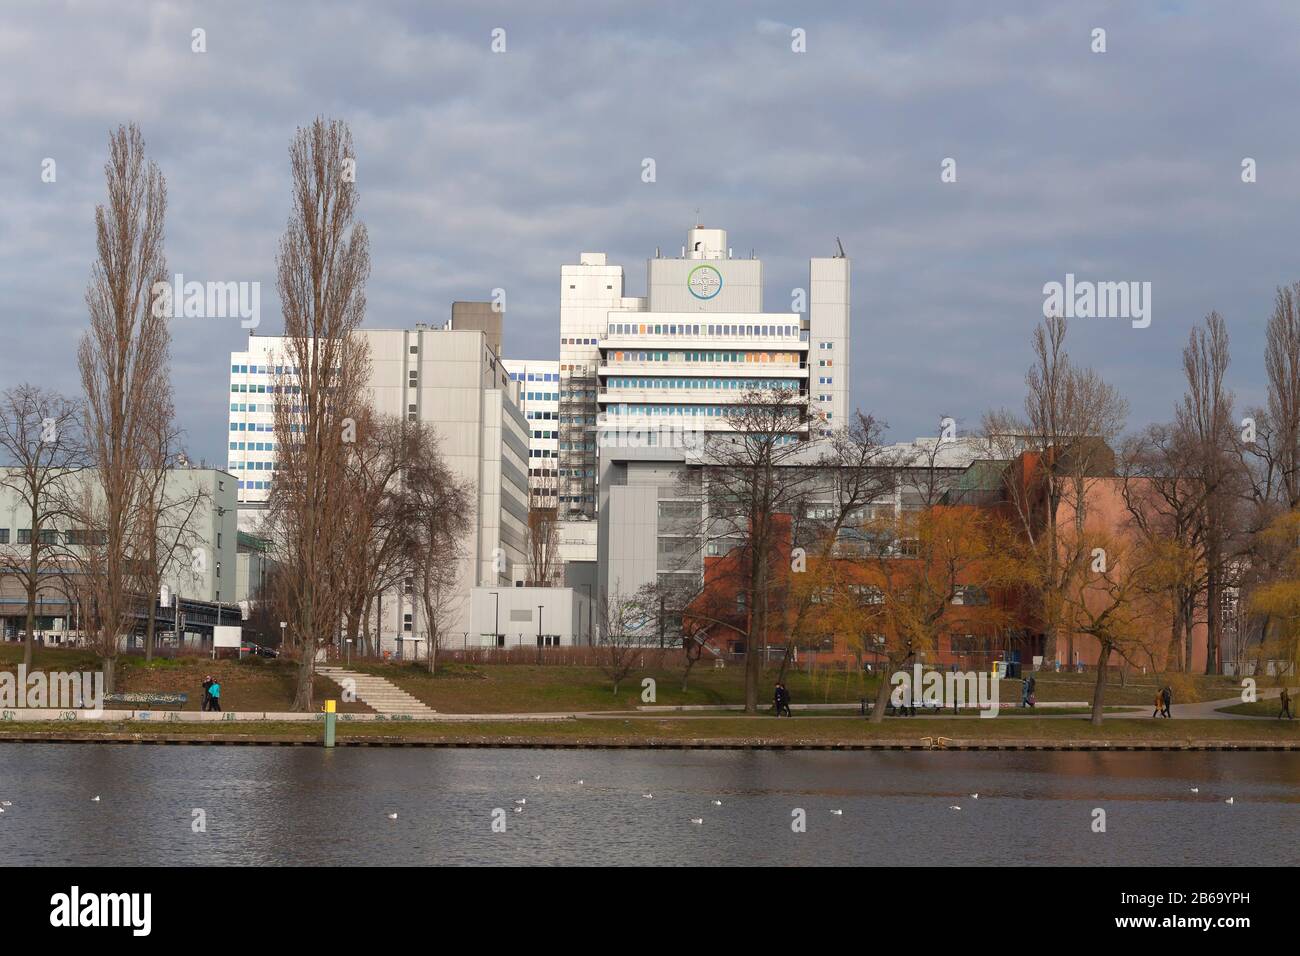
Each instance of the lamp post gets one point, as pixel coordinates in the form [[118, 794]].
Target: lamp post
[[539, 632], [496, 621], [349, 652], [283, 625]]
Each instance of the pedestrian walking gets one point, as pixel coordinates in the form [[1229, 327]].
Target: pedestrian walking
[[1167, 697], [206, 703], [1032, 691], [781, 700], [214, 696], [1158, 704], [1286, 705]]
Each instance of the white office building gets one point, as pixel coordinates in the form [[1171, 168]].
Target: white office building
[[447, 377], [539, 400], [681, 357]]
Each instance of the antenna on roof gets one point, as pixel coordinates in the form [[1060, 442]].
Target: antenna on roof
[[841, 245]]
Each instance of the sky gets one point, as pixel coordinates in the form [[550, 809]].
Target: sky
[[480, 170]]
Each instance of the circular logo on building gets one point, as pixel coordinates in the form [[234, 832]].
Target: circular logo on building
[[704, 282]]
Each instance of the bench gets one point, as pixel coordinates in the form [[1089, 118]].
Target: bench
[[148, 699]]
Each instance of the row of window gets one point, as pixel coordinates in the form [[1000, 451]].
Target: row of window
[[545, 434], [542, 396], [734, 331], [251, 466], [536, 376], [541, 416], [249, 407], [825, 380], [703, 411], [279, 369], [775, 358], [252, 446], [256, 485], [258, 427], [577, 341], [542, 453], [75, 536], [717, 384]]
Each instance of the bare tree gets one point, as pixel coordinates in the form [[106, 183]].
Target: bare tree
[[1070, 419], [323, 264], [1282, 365], [622, 623], [437, 514], [167, 530], [124, 365], [751, 475], [39, 434], [545, 566], [384, 448], [1205, 416]]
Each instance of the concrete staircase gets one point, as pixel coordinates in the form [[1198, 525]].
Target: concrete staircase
[[380, 695]]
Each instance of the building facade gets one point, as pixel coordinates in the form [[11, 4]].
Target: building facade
[[447, 377], [539, 400], [684, 355]]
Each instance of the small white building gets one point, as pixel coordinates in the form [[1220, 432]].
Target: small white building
[[527, 617]]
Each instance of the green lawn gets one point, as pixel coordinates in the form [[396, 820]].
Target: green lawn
[[254, 683]]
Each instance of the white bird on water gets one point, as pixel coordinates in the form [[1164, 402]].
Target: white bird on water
[[837, 813], [521, 801], [519, 809], [1229, 800], [537, 776], [1196, 789], [580, 783], [648, 796], [6, 803], [954, 808], [95, 799], [697, 820], [717, 803], [392, 816], [974, 796]]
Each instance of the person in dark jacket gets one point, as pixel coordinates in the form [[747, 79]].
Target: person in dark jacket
[[781, 697], [1166, 698], [1286, 706], [206, 703], [1030, 697]]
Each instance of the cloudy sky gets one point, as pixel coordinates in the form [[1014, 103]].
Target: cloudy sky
[[480, 170]]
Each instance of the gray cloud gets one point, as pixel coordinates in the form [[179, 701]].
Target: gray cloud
[[480, 170]]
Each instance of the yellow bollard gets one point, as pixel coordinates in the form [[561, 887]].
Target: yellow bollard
[[330, 718]]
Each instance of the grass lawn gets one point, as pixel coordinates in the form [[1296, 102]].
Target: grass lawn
[[1260, 708], [259, 684], [255, 683], [714, 730], [525, 688]]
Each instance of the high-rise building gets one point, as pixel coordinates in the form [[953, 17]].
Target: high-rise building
[[685, 354], [447, 377], [589, 292], [539, 400]]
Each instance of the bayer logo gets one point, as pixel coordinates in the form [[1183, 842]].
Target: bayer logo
[[704, 282]]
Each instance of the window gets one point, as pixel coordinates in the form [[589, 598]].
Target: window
[[24, 535]]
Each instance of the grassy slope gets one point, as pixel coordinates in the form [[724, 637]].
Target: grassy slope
[[259, 684], [254, 683]]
